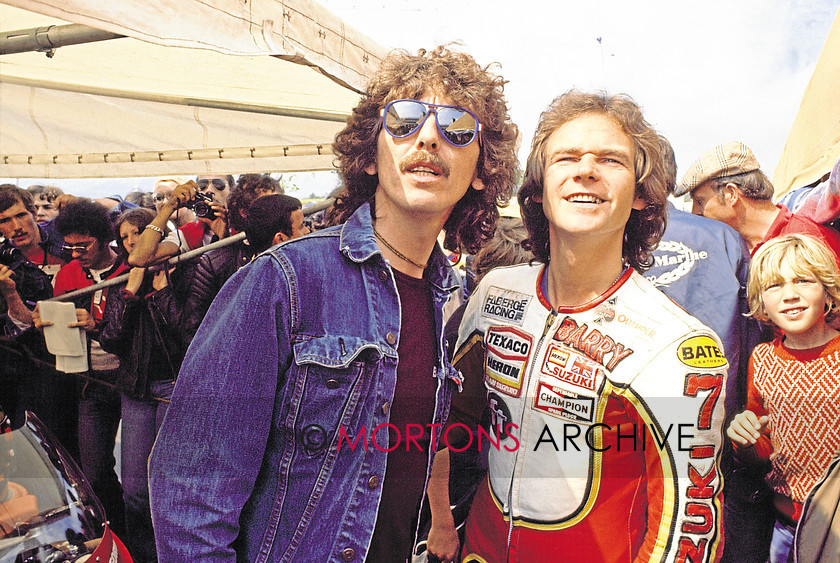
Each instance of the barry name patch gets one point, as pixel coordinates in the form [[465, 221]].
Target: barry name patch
[[505, 305], [507, 351], [701, 352]]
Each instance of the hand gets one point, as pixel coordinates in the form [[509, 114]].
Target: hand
[[7, 281], [83, 320], [218, 224], [160, 280], [135, 280], [36, 319], [746, 428], [63, 200], [180, 196], [443, 542]]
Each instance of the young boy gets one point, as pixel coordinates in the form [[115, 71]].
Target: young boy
[[793, 391]]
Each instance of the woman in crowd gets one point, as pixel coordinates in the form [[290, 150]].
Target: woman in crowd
[[139, 327]]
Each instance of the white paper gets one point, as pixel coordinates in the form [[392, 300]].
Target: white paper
[[71, 364], [62, 340], [69, 344]]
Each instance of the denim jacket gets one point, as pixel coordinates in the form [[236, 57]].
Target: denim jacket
[[295, 361]]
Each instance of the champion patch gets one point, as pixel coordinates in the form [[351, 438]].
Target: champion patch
[[506, 353], [505, 305], [562, 403], [701, 352], [568, 366]]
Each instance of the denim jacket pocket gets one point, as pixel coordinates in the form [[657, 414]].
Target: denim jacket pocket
[[332, 379], [335, 378]]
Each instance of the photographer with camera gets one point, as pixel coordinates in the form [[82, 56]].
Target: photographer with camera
[[207, 198], [266, 220], [30, 256]]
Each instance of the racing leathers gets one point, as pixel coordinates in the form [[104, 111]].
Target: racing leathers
[[608, 420]]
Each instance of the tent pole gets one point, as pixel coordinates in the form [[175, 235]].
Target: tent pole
[[47, 39], [178, 100]]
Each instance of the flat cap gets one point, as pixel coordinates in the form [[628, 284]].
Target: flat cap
[[726, 159]]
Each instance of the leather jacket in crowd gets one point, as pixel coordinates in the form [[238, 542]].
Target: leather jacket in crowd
[[214, 268], [142, 330]]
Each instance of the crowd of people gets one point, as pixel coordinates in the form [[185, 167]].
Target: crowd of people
[[138, 330], [622, 381]]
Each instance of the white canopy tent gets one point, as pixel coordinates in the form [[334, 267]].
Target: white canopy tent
[[813, 144], [236, 86]]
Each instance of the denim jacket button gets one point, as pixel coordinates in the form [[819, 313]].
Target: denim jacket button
[[348, 554], [332, 384], [385, 408], [314, 438], [391, 338], [373, 482], [383, 276]]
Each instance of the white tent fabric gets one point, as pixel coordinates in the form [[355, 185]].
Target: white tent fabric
[[813, 144], [127, 107]]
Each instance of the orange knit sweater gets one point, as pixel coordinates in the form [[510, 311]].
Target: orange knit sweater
[[800, 391]]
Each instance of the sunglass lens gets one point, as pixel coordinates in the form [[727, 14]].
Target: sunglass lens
[[403, 117], [457, 125], [218, 184]]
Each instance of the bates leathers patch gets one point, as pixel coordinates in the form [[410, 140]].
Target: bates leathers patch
[[505, 305], [562, 403], [507, 352], [701, 352], [570, 367]]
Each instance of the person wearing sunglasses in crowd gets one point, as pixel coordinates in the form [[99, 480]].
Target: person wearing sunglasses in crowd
[[87, 230], [321, 339], [605, 397], [176, 199]]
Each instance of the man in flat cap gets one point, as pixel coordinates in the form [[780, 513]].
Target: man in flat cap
[[727, 184]]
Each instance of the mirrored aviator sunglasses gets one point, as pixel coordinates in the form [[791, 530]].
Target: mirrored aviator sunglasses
[[457, 125], [217, 183]]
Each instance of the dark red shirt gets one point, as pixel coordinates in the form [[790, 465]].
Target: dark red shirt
[[413, 408]]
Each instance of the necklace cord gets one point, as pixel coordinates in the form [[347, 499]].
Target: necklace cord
[[399, 254]]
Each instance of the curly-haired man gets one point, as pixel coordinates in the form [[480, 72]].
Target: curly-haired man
[[322, 362], [605, 397]]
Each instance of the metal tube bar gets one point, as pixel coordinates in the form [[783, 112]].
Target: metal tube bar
[[180, 257], [51, 37]]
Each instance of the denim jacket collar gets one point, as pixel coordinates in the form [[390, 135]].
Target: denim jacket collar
[[358, 243]]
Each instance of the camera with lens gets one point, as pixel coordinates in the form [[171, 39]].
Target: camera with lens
[[10, 256], [201, 206]]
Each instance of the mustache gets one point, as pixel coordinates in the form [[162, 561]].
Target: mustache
[[423, 157]]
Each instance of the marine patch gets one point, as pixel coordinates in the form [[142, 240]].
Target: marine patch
[[701, 352], [562, 403], [505, 305], [506, 352]]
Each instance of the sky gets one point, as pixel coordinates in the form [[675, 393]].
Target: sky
[[704, 72]]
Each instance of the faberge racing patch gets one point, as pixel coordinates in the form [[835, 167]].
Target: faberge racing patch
[[505, 305], [506, 353], [701, 352]]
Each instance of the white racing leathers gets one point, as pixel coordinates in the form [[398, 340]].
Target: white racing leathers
[[609, 423]]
